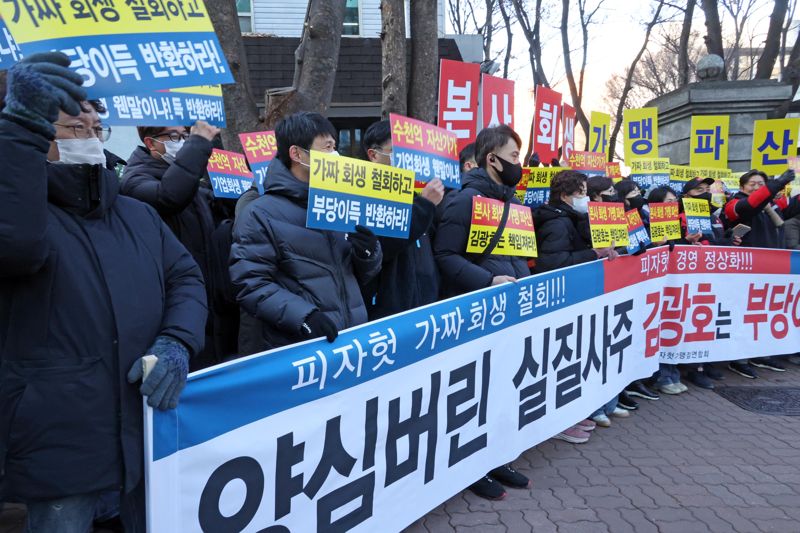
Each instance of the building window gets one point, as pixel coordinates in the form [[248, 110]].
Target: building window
[[245, 15], [351, 18]]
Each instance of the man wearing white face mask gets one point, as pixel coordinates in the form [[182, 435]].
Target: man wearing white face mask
[[562, 225], [295, 282], [167, 173], [90, 282]]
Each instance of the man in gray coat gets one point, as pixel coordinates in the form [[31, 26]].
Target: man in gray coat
[[293, 282]]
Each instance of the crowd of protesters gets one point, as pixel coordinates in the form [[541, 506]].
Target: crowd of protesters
[[98, 270]]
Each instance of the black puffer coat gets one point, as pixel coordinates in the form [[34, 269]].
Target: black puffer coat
[[88, 280], [409, 277], [460, 271], [562, 237], [283, 271], [185, 202]]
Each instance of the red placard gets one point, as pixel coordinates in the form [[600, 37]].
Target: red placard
[[259, 146], [546, 119], [613, 171], [497, 101], [458, 99], [568, 140], [231, 163]]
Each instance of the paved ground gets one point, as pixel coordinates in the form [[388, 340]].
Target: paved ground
[[684, 464]]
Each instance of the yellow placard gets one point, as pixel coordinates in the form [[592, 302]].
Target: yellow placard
[[774, 141], [695, 207], [608, 224], [32, 21], [362, 178], [664, 222], [518, 238], [656, 165], [207, 90], [641, 133], [709, 141], [599, 132]]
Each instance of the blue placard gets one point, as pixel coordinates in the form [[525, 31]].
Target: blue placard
[[162, 108], [342, 212]]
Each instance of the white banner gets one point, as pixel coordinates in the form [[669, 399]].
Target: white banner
[[374, 430]]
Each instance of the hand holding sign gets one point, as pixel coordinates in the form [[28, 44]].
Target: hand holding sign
[[38, 87], [433, 191], [205, 130]]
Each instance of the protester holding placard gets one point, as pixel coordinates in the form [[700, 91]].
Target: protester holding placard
[[297, 283], [496, 176], [562, 225], [91, 283], [409, 277], [700, 189], [752, 207], [751, 204], [167, 173]]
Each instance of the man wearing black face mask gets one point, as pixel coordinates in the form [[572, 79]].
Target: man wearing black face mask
[[498, 172]]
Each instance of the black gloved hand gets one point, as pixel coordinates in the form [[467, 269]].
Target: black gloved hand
[[534, 161], [40, 85], [364, 242], [555, 162], [786, 178], [318, 325]]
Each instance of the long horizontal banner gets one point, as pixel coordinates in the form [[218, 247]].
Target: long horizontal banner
[[370, 432]]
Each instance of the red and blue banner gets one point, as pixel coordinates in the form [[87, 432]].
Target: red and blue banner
[[372, 431]]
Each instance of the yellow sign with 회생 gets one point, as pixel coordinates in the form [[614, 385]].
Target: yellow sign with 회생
[[129, 48]]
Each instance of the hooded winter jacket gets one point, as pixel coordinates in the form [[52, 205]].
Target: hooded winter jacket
[[88, 280], [749, 210], [409, 277], [562, 237], [463, 272], [283, 271], [185, 205]]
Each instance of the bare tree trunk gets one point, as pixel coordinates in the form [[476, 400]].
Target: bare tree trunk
[[573, 87], [713, 36], [772, 43], [531, 32], [424, 79], [316, 60], [683, 50], [241, 111], [488, 28], [629, 77], [393, 41], [509, 36]]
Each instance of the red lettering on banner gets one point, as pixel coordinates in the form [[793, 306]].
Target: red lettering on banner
[[774, 304], [458, 99]]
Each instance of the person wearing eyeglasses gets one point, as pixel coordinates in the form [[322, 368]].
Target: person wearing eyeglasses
[[167, 173], [90, 282]]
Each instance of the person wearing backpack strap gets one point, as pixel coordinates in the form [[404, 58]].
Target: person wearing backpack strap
[[498, 172]]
